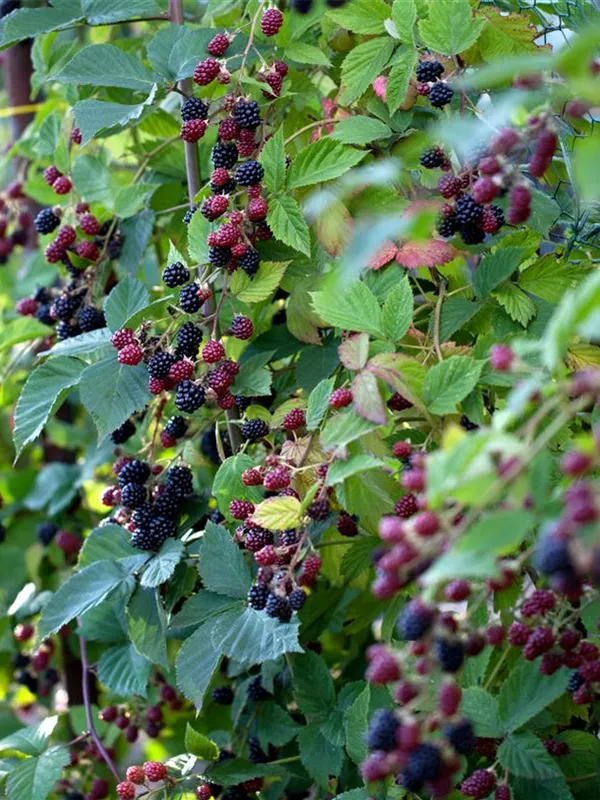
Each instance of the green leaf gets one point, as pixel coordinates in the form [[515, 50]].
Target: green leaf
[[106, 622], [528, 789], [319, 757], [496, 267], [198, 608], [93, 116], [124, 671], [517, 304], [356, 309], [261, 286], [399, 78], [586, 163], [83, 345], [550, 278], [398, 311], [274, 725], [313, 685], [287, 223], [362, 65], [222, 565], [272, 157], [582, 759], [110, 542], [356, 559], [456, 312], [197, 231], [173, 52], [402, 374], [450, 381], [368, 402], [131, 199], [235, 770], [404, 16], [499, 532], [355, 724], [576, 308], [160, 568], [523, 694], [354, 351], [34, 778], [22, 329], [112, 392], [91, 177], [362, 16], [44, 391], [104, 12], [137, 231], [304, 53], [450, 27], [228, 483], [278, 513], [526, 757], [106, 65], [344, 428], [79, 593], [196, 663], [31, 741], [145, 619], [360, 130], [340, 470], [253, 379], [252, 637], [322, 161], [27, 23], [55, 487], [482, 709], [318, 403], [127, 298], [199, 745]]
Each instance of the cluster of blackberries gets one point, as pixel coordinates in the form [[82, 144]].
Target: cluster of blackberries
[[439, 92], [32, 666], [151, 719], [66, 309], [15, 220], [152, 772]]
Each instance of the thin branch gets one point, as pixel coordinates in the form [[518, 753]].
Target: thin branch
[[436, 322], [85, 676]]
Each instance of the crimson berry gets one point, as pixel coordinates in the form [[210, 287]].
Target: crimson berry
[[540, 641], [87, 250], [181, 370], [156, 385], [398, 403], [575, 463], [51, 173], [479, 784], [495, 635], [266, 556], [538, 603], [241, 509], [275, 82], [257, 209], [23, 632], [65, 236], [340, 398], [68, 542], [457, 590], [242, 327], [155, 771], [426, 524], [227, 235], [226, 401], [402, 449], [192, 130], [108, 714], [218, 44], [449, 698], [252, 477], [484, 190], [206, 71], [406, 506], [518, 634], [502, 793], [271, 21], [131, 355], [346, 524], [569, 639], [449, 186], [294, 419], [122, 338], [53, 253], [204, 791], [383, 669], [26, 307], [89, 224], [220, 176], [62, 185], [213, 351], [277, 478], [126, 790]]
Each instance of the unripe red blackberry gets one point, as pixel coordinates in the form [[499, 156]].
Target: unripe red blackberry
[[505, 140], [122, 338], [257, 209], [275, 82], [383, 669], [242, 327], [457, 590], [181, 370], [252, 477], [228, 129], [340, 398], [155, 771], [318, 510], [204, 792], [65, 236], [192, 130], [126, 790], [519, 205], [62, 185], [266, 556], [398, 403], [271, 21], [89, 224], [426, 524], [281, 67], [545, 148], [51, 173], [87, 250], [241, 509], [227, 235], [538, 603], [449, 698], [54, 253], [311, 566], [484, 190], [502, 793], [346, 524], [246, 149], [226, 401], [23, 632], [213, 351], [489, 165], [294, 419], [449, 186], [206, 71], [132, 731], [501, 357], [218, 45], [518, 634], [569, 639], [26, 307], [479, 784], [495, 635], [575, 463], [413, 480], [406, 506], [131, 355], [490, 221], [540, 641], [68, 542]]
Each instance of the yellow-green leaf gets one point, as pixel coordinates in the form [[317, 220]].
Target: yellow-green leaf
[[261, 286], [278, 513]]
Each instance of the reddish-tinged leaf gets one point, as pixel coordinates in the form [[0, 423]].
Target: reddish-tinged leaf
[[383, 256], [401, 373], [367, 400], [354, 351], [433, 253]]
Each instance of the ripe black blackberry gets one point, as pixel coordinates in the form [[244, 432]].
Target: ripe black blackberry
[[124, 433], [175, 275], [28, 680], [41, 295], [440, 94], [133, 495], [257, 597], [575, 681], [176, 427], [302, 6], [65, 306], [247, 114], [250, 261], [467, 210], [447, 226], [432, 158], [279, 608], [189, 397], [20, 660], [499, 214], [242, 403], [227, 188], [133, 472], [288, 538], [254, 429], [255, 752], [381, 734], [450, 654], [249, 173], [44, 315], [189, 300], [142, 515], [461, 736], [472, 233], [187, 217], [179, 479], [466, 423], [223, 695], [216, 516], [296, 599], [235, 792], [146, 539], [194, 108], [425, 763], [162, 526], [64, 330], [224, 154], [429, 71], [414, 621], [46, 221], [115, 245], [160, 364], [256, 690], [189, 338], [219, 256], [91, 319], [168, 503], [552, 555], [46, 532]]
